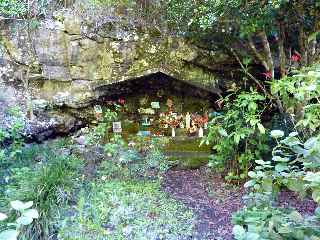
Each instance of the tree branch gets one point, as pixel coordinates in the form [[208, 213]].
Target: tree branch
[[249, 74], [267, 51], [259, 57]]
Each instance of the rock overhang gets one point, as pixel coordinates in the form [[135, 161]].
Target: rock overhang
[[75, 64]]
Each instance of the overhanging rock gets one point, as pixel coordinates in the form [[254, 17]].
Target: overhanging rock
[[74, 65]]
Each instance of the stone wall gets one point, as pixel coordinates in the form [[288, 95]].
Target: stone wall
[[76, 55]]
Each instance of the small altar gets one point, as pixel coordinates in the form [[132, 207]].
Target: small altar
[[159, 105]]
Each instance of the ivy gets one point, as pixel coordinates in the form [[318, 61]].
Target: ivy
[[12, 8]]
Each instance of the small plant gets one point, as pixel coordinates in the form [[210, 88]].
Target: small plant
[[274, 223], [12, 135], [26, 216], [127, 210], [100, 133]]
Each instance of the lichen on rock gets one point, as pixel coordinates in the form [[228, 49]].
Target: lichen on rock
[[73, 50]]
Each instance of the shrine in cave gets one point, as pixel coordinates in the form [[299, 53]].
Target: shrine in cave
[[159, 105]]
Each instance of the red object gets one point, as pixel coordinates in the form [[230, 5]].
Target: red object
[[268, 75], [295, 57], [121, 101], [200, 120]]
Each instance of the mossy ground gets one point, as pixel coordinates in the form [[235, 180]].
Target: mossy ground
[[187, 153]]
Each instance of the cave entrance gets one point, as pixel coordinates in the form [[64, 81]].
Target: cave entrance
[[159, 105]]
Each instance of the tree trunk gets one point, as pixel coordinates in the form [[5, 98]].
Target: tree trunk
[[257, 55], [282, 53], [302, 45], [267, 51]]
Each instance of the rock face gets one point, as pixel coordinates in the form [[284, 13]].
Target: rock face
[[75, 55]]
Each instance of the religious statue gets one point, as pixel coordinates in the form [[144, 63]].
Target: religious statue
[[200, 132], [188, 120], [170, 105], [98, 112]]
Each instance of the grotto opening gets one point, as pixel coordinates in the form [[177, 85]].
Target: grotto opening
[[158, 105]]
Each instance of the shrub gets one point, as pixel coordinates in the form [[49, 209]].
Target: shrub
[[295, 165], [144, 159], [238, 135]]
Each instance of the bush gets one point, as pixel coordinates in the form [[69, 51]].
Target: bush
[[238, 135], [142, 160], [294, 165]]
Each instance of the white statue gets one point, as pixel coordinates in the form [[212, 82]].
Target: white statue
[[201, 132], [173, 132], [188, 120]]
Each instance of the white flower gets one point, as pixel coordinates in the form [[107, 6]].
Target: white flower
[[103, 178]]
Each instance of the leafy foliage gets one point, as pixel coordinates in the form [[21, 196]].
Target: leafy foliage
[[143, 160], [127, 210], [100, 133], [12, 8], [300, 96], [274, 223], [26, 215], [13, 135], [238, 134], [292, 166], [48, 184]]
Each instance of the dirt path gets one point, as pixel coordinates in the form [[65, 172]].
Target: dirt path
[[209, 197]]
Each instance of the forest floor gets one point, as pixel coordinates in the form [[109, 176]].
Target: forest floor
[[214, 201]]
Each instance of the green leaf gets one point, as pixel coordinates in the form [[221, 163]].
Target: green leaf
[[296, 216], [20, 206], [316, 195], [9, 235], [291, 141], [317, 212], [252, 174], [223, 132], [236, 138], [261, 162], [3, 216], [313, 36], [267, 185], [253, 236], [261, 128], [250, 183], [296, 185], [239, 232], [24, 220], [31, 213], [281, 167], [280, 159], [312, 177], [310, 142], [277, 133], [252, 106]]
